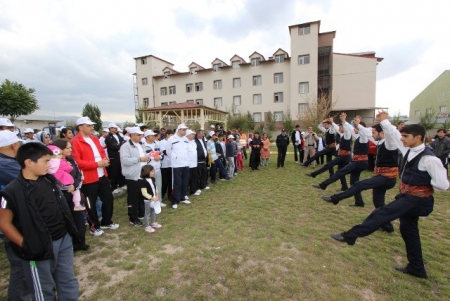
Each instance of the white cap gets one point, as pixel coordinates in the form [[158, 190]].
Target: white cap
[[28, 130], [105, 130], [5, 122], [201, 129], [211, 133], [181, 126], [212, 126], [119, 130], [230, 137], [188, 132], [84, 120], [8, 138], [149, 133], [135, 130], [112, 125]]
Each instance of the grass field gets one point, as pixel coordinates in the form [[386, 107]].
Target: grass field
[[262, 236]]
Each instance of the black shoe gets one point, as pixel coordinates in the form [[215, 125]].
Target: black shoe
[[342, 237], [387, 228], [136, 223], [357, 205], [81, 248], [310, 174], [412, 273], [318, 186], [329, 199]]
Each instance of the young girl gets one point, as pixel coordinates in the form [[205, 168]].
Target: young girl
[[265, 150], [239, 159], [61, 169], [151, 198]]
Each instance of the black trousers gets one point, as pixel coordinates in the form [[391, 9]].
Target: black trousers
[[101, 189], [135, 200], [281, 156], [193, 181], [79, 221], [180, 178], [202, 175], [341, 162], [255, 159], [166, 182], [379, 184], [371, 162], [320, 159], [115, 173], [408, 208], [328, 152]]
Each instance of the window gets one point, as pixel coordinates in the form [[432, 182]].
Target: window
[[428, 111], [190, 101], [302, 108], [278, 97], [144, 81], [218, 102], [257, 117], [237, 82], [303, 59], [303, 30], [303, 87], [442, 109], [217, 67], [145, 102], [236, 64], [257, 100], [278, 116], [199, 101], [167, 74], [417, 112], [193, 70], [143, 61], [278, 78], [217, 84], [189, 87], [257, 80], [172, 103], [164, 91], [164, 103], [198, 87], [279, 58], [256, 61], [237, 100], [172, 90]]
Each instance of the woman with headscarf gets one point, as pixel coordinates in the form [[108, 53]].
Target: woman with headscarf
[[44, 138]]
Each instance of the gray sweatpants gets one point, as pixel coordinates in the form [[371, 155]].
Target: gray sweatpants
[[149, 212], [230, 169]]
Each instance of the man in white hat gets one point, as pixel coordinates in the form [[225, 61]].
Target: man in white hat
[[6, 124], [155, 158], [192, 155], [177, 150], [212, 130], [92, 161], [132, 158], [29, 135], [102, 138], [10, 169], [113, 143]]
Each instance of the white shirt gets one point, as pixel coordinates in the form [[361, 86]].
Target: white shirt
[[297, 138], [141, 152], [117, 138], [97, 156]]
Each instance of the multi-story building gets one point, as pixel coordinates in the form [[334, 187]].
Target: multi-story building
[[280, 83], [434, 99]]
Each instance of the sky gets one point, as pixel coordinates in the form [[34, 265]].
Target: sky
[[78, 52]]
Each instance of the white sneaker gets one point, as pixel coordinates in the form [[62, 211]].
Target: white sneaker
[[163, 205], [206, 188], [175, 206], [156, 226], [235, 173], [186, 197], [199, 191], [117, 191], [185, 202], [97, 232], [149, 229], [124, 187], [112, 226]]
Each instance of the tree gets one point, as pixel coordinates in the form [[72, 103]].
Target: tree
[[428, 121], [287, 121], [250, 121], [316, 110], [93, 112], [270, 121], [16, 100]]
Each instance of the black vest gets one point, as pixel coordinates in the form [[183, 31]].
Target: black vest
[[411, 174], [329, 138], [385, 157], [360, 148], [345, 144]]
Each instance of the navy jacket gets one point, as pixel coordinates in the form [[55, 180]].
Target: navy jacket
[[10, 169]]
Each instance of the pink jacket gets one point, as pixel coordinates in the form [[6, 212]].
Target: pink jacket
[[61, 169]]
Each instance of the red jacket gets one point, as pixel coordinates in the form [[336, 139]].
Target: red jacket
[[84, 156]]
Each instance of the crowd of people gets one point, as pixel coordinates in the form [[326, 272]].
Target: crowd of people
[[51, 189]]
